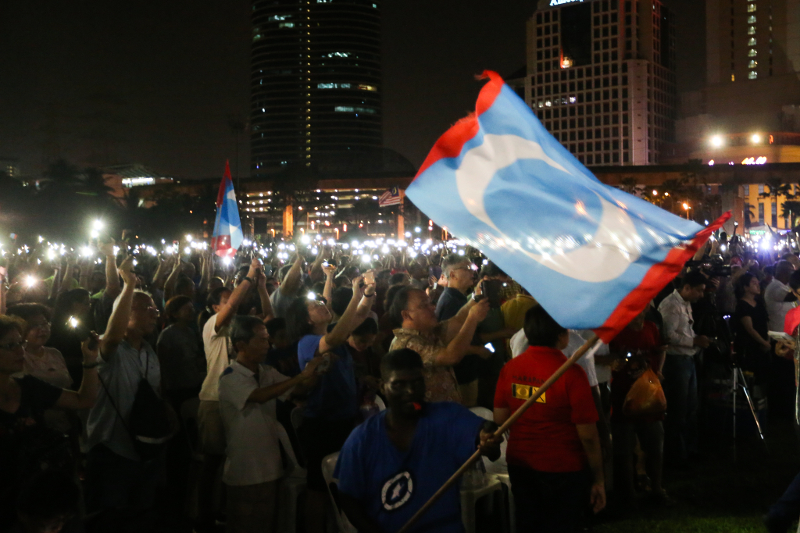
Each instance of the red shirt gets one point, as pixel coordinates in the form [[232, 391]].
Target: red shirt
[[545, 438]]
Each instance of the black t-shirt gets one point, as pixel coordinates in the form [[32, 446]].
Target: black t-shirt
[[22, 434], [758, 314], [450, 303]]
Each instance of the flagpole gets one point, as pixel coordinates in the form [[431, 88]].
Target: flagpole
[[502, 429]]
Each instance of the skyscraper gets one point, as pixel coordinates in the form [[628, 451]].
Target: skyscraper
[[752, 72], [601, 78], [315, 78]]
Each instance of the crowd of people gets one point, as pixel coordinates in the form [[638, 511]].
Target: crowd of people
[[120, 366]]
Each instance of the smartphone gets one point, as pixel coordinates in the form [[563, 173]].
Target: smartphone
[[325, 264], [491, 289], [489, 347], [80, 330], [369, 277]]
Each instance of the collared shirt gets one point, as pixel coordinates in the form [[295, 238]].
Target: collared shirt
[[217, 346], [252, 430], [120, 377], [775, 296], [440, 381], [677, 316]]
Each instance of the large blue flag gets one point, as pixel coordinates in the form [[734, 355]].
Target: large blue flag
[[228, 234], [592, 255]]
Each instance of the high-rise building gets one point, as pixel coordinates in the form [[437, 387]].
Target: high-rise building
[[315, 79], [752, 73], [601, 78]]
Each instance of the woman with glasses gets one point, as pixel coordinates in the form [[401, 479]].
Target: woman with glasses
[[330, 412], [42, 362], [25, 445]]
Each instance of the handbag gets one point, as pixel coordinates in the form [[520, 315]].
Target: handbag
[[148, 424], [646, 397]]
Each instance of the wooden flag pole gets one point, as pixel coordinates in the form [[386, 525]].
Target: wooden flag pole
[[502, 429]]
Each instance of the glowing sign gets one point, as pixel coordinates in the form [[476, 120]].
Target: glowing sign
[[754, 161], [559, 2]]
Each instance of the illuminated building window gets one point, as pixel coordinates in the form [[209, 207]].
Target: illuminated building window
[[751, 19], [752, 41], [752, 53], [752, 75], [350, 109], [751, 30], [733, 77], [286, 25], [753, 64], [274, 18], [751, 8]]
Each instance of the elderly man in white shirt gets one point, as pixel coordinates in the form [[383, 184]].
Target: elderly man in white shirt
[[776, 293], [255, 439], [680, 374]]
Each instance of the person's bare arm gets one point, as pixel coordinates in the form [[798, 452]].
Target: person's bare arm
[[205, 271], [316, 273], [291, 283], [118, 321], [457, 348], [69, 275], [86, 396], [85, 265], [172, 280], [590, 440], [453, 325], [350, 319], [164, 266], [113, 285], [501, 414], [301, 383], [227, 312], [267, 313], [327, 290]]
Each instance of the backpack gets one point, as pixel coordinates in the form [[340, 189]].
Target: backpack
[[148, 424]]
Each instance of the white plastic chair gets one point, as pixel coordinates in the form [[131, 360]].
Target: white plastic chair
[[343, 525], [499, 470]]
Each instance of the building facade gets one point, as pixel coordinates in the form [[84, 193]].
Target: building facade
[[752, 73], [601, 78], [315, 77]]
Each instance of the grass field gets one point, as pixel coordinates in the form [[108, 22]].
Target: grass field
[[728, 492]]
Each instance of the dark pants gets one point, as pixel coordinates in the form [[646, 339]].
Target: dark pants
[[680, 425], [787, 508], [549, 502], [319, 438], [115, 482]]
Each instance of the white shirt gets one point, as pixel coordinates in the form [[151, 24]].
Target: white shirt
[[676, 314], [519, 343], [217, 348], [774, 295], [252, 430], [120, 377]]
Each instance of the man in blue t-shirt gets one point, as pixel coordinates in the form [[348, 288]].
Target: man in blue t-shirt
[[394, 462]]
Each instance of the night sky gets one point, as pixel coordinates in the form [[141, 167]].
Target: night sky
[[102, 82]]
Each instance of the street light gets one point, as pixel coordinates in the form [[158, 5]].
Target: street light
[[655, 192], [716, 141], [756, 138]]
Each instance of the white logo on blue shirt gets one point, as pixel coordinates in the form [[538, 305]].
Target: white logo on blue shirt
[[397, 491]]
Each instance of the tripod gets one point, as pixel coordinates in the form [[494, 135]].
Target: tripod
[[740, 381]]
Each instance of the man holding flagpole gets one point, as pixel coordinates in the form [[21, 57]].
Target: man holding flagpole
[[591, 255]]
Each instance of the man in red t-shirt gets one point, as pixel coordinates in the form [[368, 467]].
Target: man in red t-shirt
[[552, 442]]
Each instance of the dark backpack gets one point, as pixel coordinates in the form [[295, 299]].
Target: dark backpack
[[148, 425]]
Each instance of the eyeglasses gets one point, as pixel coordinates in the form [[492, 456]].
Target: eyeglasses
[[11, 346]]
